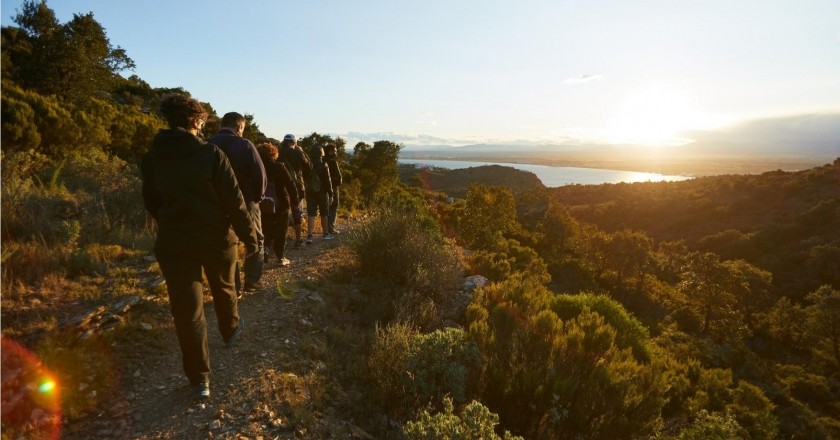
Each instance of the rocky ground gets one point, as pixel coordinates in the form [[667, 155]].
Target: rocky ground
[[272, 384]]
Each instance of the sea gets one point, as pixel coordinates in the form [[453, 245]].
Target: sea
[[556, 176]]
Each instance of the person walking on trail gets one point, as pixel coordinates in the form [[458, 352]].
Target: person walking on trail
[[331, 159], [299, 167], [318, 193], [191, 191], [250, 173], [280, 196]]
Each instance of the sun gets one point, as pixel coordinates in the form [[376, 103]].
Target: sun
[[652, 116]]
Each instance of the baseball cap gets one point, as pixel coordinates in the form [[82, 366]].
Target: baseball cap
[[289, 137]]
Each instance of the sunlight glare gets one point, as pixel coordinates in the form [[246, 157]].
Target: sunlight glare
[[652, 116]]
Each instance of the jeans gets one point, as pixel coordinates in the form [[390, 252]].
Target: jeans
[[186, 299]]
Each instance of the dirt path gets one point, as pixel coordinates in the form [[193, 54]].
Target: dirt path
[[259, 387]]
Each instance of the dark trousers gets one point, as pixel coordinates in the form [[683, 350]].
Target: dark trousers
[[186, 300], [253, 267], [333, 208], [274, 228]]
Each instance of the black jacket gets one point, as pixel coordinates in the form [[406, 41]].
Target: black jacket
[[335, 172], [284, 185], [190, 189]]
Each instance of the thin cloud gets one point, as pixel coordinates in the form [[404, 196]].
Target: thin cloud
[[583, 79]]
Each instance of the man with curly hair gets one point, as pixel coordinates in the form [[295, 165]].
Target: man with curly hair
[[191, 191]]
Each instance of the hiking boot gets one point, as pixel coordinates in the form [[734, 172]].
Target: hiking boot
[[202, 389], [236, 333], [328, 236], [284, 261], [309, 239]]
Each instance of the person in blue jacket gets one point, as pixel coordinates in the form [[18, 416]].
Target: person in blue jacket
[[250, 173]]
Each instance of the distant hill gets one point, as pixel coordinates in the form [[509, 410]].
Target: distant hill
[[455, 182]]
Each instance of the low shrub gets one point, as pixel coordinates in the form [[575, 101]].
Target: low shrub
[[475, 422], [414, 370]]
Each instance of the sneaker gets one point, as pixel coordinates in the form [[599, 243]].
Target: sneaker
[[328, 236], [309, 239], [249, 289], [236, 333], [202, 390], [284, 261]]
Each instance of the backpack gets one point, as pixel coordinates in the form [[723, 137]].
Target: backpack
[[269, 201], [313, 180]]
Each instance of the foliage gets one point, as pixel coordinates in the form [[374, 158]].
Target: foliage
[[507, 258], [713, 426], [375, 167], [407, 264], [475, 422], [74, 60], [570, 374], [822, 318], [413, 370], [489, 213]]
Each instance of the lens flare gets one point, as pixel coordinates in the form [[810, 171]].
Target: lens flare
[[30, 396]]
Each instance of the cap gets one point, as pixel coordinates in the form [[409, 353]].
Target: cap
[[289, 137]]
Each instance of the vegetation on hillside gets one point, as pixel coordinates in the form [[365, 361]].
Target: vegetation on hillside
[[687, 310]]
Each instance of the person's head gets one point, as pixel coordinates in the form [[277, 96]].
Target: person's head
[[316, 152], [234, 121], [267, 152], [289, 140], [183, 111], [330, 150]]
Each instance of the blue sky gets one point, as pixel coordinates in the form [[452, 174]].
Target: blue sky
[[462, 71]]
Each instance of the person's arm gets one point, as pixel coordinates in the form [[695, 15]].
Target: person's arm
[[325, 177], [258, 176], [232, 202], [288, 183], [151, 198]]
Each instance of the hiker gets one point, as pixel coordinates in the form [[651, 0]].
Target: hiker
[[191, 191], [331, 158], [318, 193], [280, 197], [250, 173], [298, 165]]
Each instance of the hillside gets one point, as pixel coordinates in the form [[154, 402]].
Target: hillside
[[455, 183], [279, 381]]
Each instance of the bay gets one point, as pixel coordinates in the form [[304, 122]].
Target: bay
[[556, 176]]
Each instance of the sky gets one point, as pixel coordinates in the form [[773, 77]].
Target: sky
[[461, 72]]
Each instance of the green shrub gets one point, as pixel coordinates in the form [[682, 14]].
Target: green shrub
[[405, 262], [413, 370], [475, 422]]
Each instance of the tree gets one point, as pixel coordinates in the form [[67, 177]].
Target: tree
[[823, 315], [709, 287], [489, 214], [375, 167], [74, 61]]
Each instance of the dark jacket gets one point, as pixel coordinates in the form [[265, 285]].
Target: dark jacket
[[297, 162], [287, 195], [323, 182], [335, 172], [246, 163], [190, 190]]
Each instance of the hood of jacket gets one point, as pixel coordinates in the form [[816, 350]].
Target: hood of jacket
[[175, 143]]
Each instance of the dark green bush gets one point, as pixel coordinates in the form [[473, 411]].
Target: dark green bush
[[415, 370]]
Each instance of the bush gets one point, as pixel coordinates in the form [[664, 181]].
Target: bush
[[405, 262], [413, 370], [476, 422]]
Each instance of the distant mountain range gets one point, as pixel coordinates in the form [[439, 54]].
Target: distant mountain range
[[803, 136]]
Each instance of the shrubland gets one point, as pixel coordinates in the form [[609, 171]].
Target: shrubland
[[683, 310]]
